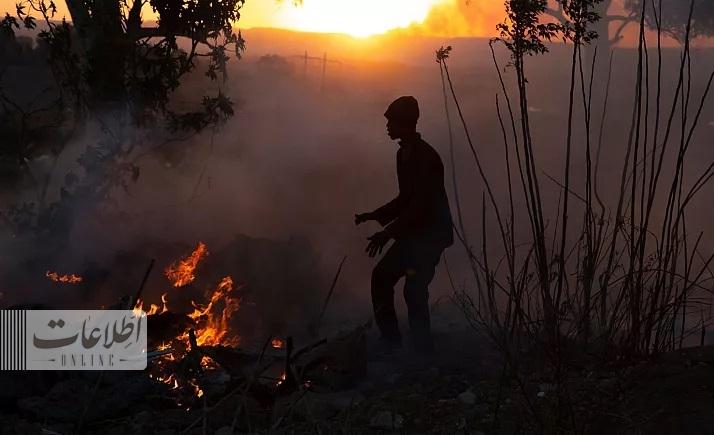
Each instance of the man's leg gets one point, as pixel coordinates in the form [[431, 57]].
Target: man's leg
[[384, 276], [419, 273]]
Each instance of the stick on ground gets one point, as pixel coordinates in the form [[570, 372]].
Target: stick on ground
[[329, 295], [143, 283]]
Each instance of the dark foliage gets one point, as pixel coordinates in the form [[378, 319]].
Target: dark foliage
[[523, 33], [115, 72], [673, 16]]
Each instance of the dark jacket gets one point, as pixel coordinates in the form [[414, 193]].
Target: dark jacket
[[421, 211]]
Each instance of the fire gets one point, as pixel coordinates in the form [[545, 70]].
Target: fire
[[153, 308], [182, 272], [139, 306], [213, 318], [65, 279], [164, 301], [277, 343], [196, 389], [282, 378], [211, 322]]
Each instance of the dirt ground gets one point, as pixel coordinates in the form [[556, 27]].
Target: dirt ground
[[458, 391]]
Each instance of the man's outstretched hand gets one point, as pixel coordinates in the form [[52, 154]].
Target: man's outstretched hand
[[361, 218], [376, 243]]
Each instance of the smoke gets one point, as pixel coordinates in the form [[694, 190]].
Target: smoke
[[462, 18], [273, 192]]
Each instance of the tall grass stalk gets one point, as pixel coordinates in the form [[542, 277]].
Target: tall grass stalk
[[622, 283]]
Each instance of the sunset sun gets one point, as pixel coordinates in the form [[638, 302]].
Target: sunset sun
[[356, 18]]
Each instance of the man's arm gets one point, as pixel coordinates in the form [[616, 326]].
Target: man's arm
[[384, 214], [389, 211]]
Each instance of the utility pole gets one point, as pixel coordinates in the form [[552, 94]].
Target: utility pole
[[324, 68], [306, 58]]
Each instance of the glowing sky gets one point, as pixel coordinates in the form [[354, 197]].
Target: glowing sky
[[442, 18], [355, 17]]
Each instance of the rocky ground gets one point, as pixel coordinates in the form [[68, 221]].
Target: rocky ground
[[458, 391]]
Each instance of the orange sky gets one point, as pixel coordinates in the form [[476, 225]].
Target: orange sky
[[444, 18], [360, 17]]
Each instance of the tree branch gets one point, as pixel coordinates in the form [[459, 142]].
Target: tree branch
[[628, 18], [557, 13], [618, 33], [157, 32]]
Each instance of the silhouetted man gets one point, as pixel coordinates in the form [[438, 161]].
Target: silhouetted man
[[418, 220]]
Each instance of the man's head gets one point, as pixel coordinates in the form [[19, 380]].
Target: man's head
[[402, 116]]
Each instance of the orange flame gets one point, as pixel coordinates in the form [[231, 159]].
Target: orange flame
[[213, 318], [164, 301], [65, 279], [139, 306], [182, 272], [196, 389], [154, 309], [277, 343]]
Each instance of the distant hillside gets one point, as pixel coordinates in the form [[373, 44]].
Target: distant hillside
[[390, 47]]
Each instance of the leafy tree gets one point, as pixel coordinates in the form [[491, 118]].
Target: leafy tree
[[118, 73], [674, 16], [108, 61], [108, 56], [605, 23]]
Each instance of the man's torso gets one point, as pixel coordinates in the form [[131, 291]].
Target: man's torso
[[416, 158]]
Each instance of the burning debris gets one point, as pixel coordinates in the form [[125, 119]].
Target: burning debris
[[177, 337], [191, 349], [64, 279], [153, 309], [213, 320], [194, 362], [182, 272], [277, 343]]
